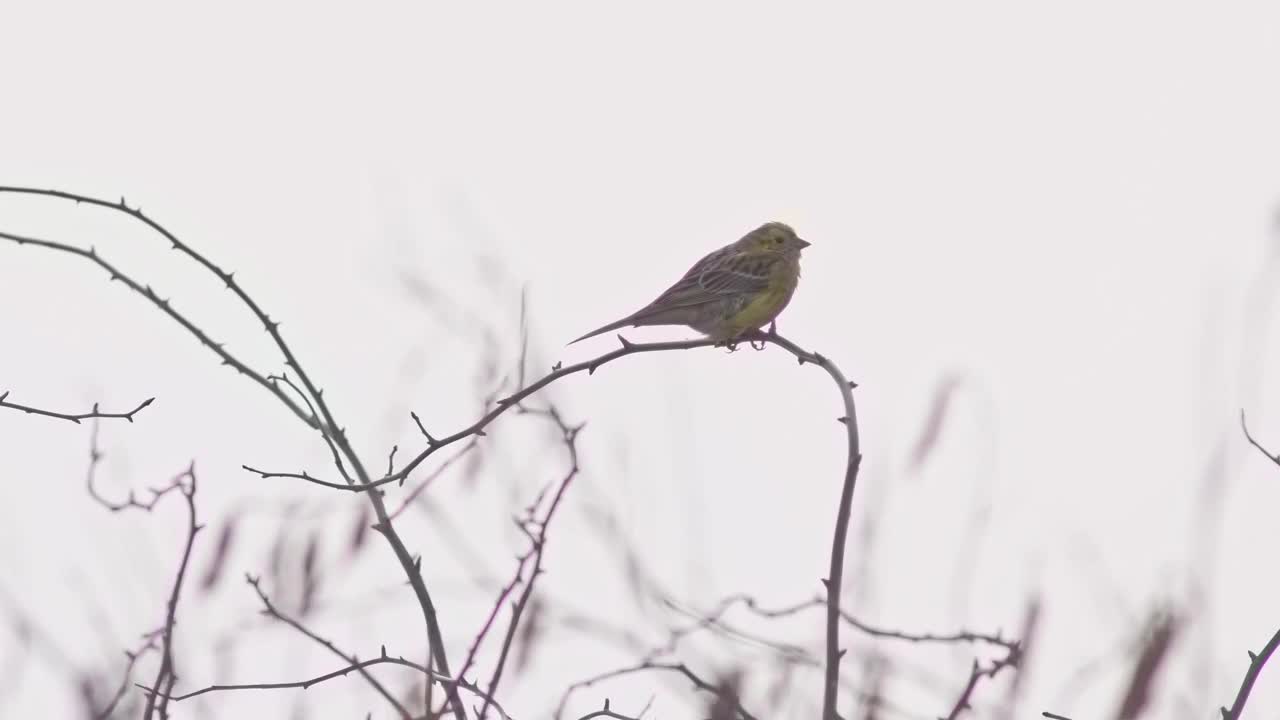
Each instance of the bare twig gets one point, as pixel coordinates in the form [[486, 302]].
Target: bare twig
[[1010, 660], [131, 659], [352, 666], [750, 603], [167, 674], [131, 501], [668, 667], [74, 417], [1266, 453], [536, 530], [435, 475]]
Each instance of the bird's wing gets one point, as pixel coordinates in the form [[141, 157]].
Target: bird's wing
[[721, 273]]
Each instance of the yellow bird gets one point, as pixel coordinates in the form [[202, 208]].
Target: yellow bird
[[740, 287]]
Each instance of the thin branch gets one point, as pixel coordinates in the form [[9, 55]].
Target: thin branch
[[669, 667], [751, 604], [835, 579], [538, 540], [435, 444], [352, 666], [1010, 660], [270, 609], [131, 501], [131, 659], [167, 675], [74, 417], [1273, 458], [435, 475]]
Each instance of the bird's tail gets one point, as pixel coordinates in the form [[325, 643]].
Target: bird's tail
[[629, 320]]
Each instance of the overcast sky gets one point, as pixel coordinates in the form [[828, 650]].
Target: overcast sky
[[1063, 213]]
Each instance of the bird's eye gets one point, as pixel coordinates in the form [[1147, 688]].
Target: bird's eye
[[777, 240]]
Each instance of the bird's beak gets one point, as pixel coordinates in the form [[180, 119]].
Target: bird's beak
[[803, 243]]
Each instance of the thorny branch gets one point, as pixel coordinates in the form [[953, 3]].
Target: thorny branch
[[1256, 661], [323, 420], [74, 417], [130, 501]]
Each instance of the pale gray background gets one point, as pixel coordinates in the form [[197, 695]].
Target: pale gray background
[[1067, 206]]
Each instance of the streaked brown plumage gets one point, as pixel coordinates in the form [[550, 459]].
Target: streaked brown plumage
[[742, 286]]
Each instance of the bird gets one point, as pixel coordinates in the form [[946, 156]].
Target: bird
[[731, 291]]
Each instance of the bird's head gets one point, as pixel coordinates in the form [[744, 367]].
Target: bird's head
[[772, 237]]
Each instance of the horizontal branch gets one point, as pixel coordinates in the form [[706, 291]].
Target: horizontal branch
[[669, 667], [74, 417]]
